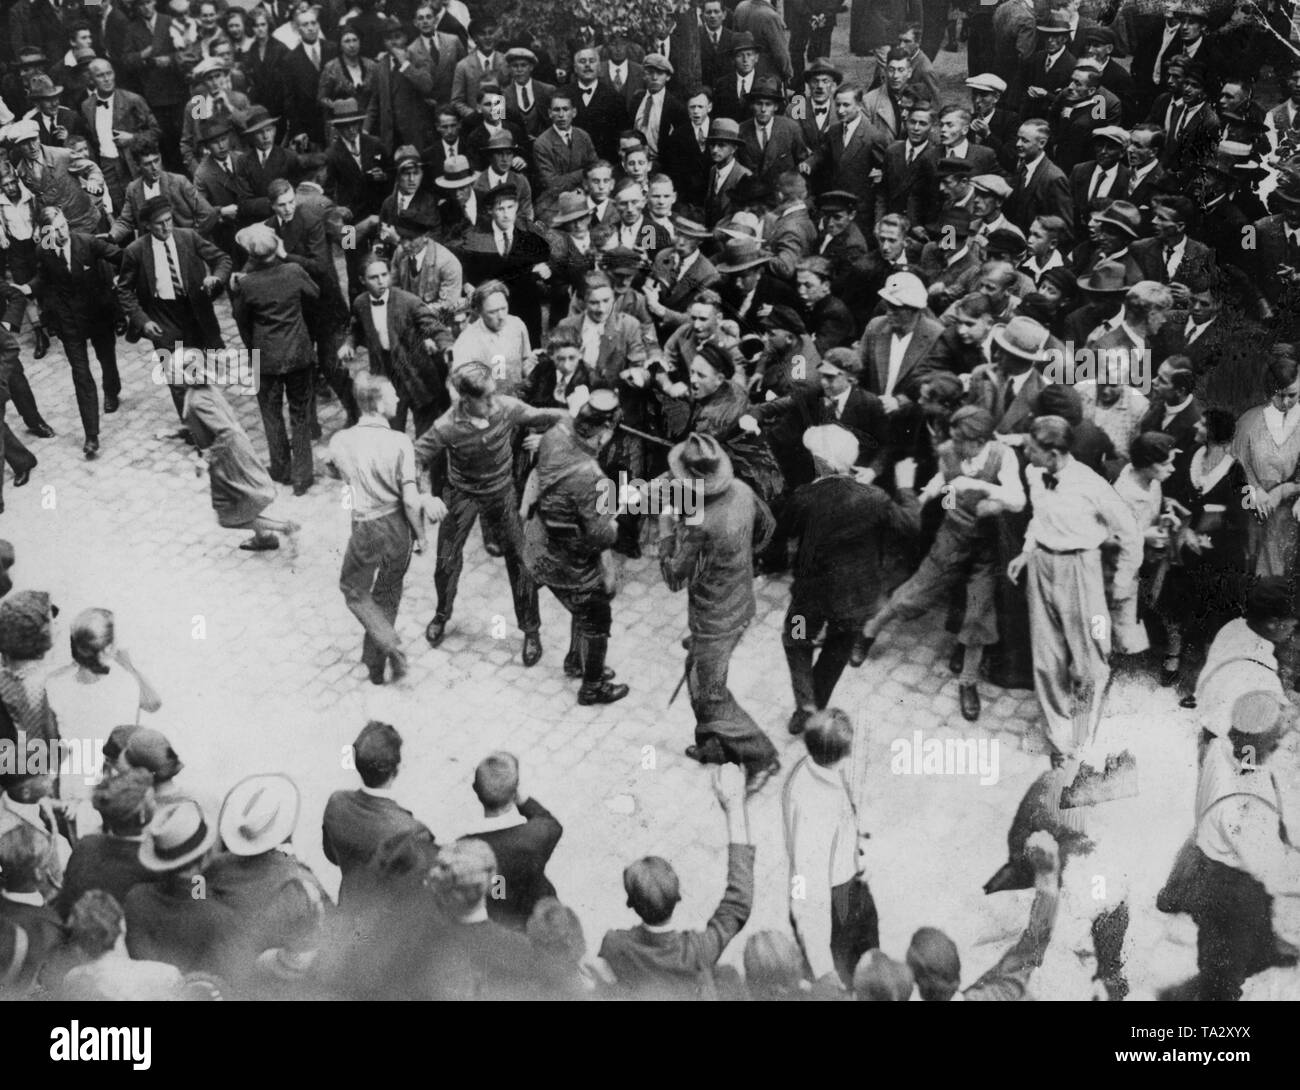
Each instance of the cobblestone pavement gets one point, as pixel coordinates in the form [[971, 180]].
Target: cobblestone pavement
[[257, 660]]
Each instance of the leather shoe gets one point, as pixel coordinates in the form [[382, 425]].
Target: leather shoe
[[799, 720], [573, 668], [969, 696], [42, 431], [957, 659], [22, 478], [301, 489], [861, 649], [399, 664], [377, 672], [436, 629], [532, 648], [110, 403], [604, 693], [42, 343], [90, 448]]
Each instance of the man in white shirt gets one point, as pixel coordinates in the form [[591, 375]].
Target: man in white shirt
[[831, 906]]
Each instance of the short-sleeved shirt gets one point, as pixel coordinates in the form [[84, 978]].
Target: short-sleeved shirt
[[377, 462]]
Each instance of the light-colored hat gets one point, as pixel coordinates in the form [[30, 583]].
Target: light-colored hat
[[456, 173], [657, 61], [992, 183], [404, 155], [1124, 215], [1113, 133], [904, 289], [346, 111], [207, 66], [259, 814], [720, 128], [22, 130], [259, 240], [521, 53], [834, 445], [1022, 337], [570, 207], [740, 225], [1261, 712], [987, 81], [178, 834]]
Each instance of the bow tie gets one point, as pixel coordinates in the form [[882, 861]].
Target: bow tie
[[1050, 481], [379, 302], [105, 102]]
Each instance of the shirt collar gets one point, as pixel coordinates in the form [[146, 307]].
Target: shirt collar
[[507, 820], [1174, 410], [34, 898], [377, 792], [1132, 334]]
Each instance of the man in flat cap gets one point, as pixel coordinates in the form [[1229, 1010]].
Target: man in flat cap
[[656, 114], [1099, 46], [528, 101], [568, 534], [1081, 108], [991, 124]]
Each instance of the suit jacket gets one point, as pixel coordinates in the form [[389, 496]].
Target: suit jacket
[[1116, 79], [986, 384], [621, 346], [281, 162], [717, 202], [268, 84], [399, 112], [784, 150], [417, 376], [770, 292], [715, 60], [813, 135], [538, 116], [336, 82], [1038, 72], [451, 51], [831, 324], [189, 207], [68, 118], [1014, 37], [1048, 194], [130, 114], [78, 299], [792, 236], [560, 167], [672, 116], [469, 74], [1073, 126], [306, 240], [910, 189], [161, 88], [602, 119], [302, 85], [271, 306], [347, 185], [481, 262], [874, 352], [1273, 249], [1184, 151], [1198, 260], [220, 188], [522, 852], [983, 160], [527, 206], [726, 102], [1081, 182], [198, 258], [878, 108], [473, 140], [355, 827], [439, 279], [1150, 186], [849, 168], [688, 164], [1001, 137], [634, 84], [104, 862], [679, 295], [764, 22]]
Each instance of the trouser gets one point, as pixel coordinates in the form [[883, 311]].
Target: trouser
[[20, 394], [334, 371], [291, 458], [1234, 936], [819, 45], [115, 180], [958, 558], [13, 451], [374, 568], [724, 731], [814, 682], [980, 41], [592, 616], [423, 416], [1069, 624], [169, 115], [1108, 931], [180, 315], [104, 341], [934, 26], [500, 512], [854, 926]]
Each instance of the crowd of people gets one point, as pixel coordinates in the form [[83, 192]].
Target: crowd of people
[[1018, 355]]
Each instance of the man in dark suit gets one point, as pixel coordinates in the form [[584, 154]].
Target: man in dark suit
[[724, 143], [991, 124], [1146, 174], [1192, 129], [510, 252], [773, 144], [1174, 410], [398, 112], [851, 157], [601, 111], [821, 79], [1100, 46], [57, 122], [528, 101], [22, 853], [655, 113], [491, 122], [358, 176], [910, 184], [266, 159], [264, 64], [730, 91], [686, 157], [897, 347], [1079, 110], [522, 835], [561, 155], [746, 290], [74, 286], [842, 243], [1277, 248], [222, 179], [621, 71], [1047, 71], [149, 55], [1040, 187], [302, 69], [1171, 256], [955, 141], [1101, 179], [1009, 385], [167, 283], [716, 41], [358, 823], [116, 121]]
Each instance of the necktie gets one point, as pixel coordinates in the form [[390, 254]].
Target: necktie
[[525, 99], [830, 410], [1169, 257], [178, 285], [699, 136], [643, 117], [503, 243], [762, 137], [911, 154], [565, 137], [313, 51], [715, 35], [1096, 185], [1050, 481], [67, 256], [618, 78]]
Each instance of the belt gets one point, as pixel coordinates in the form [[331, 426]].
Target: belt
[[371, 516], [1062, 552]]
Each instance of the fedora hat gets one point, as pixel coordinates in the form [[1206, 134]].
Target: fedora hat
[[703, 460], [1053, 23], [259, 814], [752, 189], [740, 225], [725, 130], [1022, 337], [1106, 278], [501, 141], [43, 87], [1124, 215], [345, 111], [622, 257], [740, 254], [822, 67], [765, 88], [744, 40], [404, 156], [178, 835], [456, 173], [571, 207], [1287, 191], [259, 117], [212, 128], [690, 229]]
